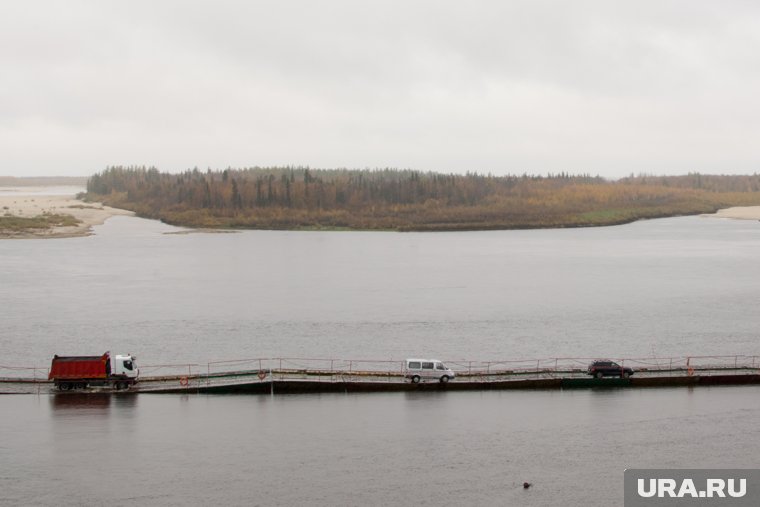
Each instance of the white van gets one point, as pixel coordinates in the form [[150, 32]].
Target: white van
[[426, 369]]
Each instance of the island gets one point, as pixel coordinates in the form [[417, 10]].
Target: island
[[301, 198], [298, 198]]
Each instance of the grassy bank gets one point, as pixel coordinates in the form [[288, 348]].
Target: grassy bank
[[11, 224]]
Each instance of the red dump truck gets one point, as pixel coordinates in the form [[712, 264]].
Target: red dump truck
[[79, 372]]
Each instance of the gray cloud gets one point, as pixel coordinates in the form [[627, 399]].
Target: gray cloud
[[589, 86]]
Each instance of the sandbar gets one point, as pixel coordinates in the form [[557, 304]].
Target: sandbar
[[26, 204], [738, 212]]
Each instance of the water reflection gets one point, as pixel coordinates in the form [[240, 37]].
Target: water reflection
[[91, 402], [423, 398]]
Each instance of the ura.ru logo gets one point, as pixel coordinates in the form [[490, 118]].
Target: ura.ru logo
[[714, 488]]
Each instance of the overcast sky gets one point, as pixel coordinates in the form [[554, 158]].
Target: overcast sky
[[604, 87]]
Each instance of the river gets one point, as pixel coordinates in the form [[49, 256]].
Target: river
[[449, 448], [671, 287]]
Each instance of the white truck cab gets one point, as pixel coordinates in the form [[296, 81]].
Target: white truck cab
[[418, 370], [124, 366]]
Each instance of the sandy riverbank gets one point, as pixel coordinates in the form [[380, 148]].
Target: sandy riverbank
[[29, 203], [740, 213]]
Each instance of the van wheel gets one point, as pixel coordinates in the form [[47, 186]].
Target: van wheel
[[599, 374], [416, 379], [444, 379]]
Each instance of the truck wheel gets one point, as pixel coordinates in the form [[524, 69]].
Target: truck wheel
[[444, 379], [117, 386], [64, 386], [125, 385], [416, 379], [599, 374]]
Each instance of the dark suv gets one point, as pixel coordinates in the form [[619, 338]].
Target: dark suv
[[601, 369]]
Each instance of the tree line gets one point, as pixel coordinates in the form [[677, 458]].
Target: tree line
[[302, 197]]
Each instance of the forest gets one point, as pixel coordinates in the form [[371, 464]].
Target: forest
[[407, 200]]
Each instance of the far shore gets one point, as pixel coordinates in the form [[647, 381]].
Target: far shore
[[30, 202]]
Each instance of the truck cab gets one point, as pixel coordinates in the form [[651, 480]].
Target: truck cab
[[124, 366]]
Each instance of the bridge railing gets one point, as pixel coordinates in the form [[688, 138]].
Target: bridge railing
[[333, 369], [33, 373], [315, 369], [577, 365]]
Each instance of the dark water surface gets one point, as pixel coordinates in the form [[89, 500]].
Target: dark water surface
[[683, 286], [380, 449]]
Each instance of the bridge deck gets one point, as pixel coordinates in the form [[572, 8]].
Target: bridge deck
[[301, 380]]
